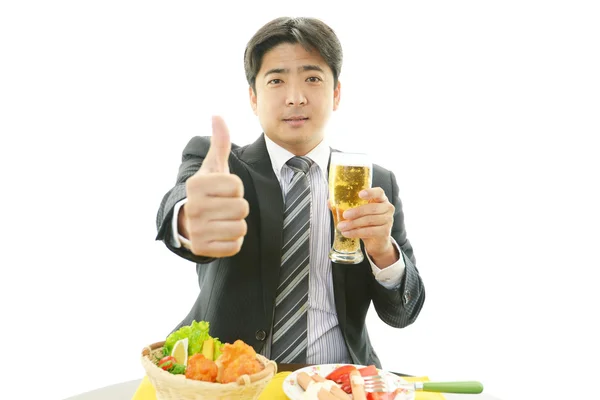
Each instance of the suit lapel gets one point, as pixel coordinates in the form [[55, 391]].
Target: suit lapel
[[270, 207]]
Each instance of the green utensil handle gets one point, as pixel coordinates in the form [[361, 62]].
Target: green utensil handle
[[467, 387]]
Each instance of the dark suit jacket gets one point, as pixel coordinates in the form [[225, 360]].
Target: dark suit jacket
[[238, 293]]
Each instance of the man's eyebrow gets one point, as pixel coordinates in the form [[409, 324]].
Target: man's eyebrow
[[277, 71], [286, 70], [311, 68]]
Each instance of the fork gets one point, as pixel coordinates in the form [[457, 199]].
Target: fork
[[376, 383]]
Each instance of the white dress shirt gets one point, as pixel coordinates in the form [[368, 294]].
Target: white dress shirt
[[325, 341]]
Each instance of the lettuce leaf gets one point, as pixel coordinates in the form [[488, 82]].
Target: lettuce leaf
[[196, 333]]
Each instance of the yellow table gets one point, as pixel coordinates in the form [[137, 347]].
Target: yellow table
[[274, 390]]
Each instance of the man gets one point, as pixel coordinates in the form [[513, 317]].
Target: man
[[229, 214]]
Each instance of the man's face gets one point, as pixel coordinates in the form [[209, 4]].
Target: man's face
[[294, 97]]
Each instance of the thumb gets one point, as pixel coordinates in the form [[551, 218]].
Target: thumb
[[217, 158]]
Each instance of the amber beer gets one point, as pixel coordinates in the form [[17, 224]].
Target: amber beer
[[349, 173]]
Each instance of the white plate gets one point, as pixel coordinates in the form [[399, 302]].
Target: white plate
[[295, 391]]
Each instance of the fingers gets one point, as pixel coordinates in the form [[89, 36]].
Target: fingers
[[218, 209], [221, 238], [217, 185], [369, 209], [220, 231], [374, 194], [367, 227], [378, 212], [217, 249], [358, 386], [217, 158], [371, 222]]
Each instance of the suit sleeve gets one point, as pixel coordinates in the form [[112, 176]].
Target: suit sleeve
[[191, 160], [400, 307]]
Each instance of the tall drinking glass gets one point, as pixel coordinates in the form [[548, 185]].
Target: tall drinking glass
[[349, 173]]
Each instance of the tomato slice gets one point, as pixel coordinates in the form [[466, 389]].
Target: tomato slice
[[371, 370], [167, 362], [381, 396], [341, 377], [340, 373]]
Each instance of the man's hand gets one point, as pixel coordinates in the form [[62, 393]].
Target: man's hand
[[372, 223], [213, 217]]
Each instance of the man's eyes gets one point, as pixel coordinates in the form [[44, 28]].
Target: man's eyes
[[312, 79]]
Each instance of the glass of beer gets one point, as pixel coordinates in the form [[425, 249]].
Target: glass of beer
[[349, 173]]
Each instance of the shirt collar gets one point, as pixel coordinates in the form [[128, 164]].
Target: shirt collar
[[279, 156]]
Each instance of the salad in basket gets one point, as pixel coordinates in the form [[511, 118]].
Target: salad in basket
[[192, 352]]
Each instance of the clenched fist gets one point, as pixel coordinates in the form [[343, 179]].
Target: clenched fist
[[213, 217]]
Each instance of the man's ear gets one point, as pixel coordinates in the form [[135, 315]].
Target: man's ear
[[252, 96], [337, 92]]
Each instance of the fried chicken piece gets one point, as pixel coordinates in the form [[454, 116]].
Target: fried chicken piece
[[201, 368], [244, 364], [236, 360], [230, 352]]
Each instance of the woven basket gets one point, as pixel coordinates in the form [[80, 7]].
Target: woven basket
[[177, 387]]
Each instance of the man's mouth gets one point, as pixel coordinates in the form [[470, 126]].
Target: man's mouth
[[295, 121], [297, 118]]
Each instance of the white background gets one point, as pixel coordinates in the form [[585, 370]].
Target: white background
[[488, 112]]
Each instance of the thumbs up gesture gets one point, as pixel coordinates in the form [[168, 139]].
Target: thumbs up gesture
[[213, 217]]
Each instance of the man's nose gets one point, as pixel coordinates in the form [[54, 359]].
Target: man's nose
[[295, 96]]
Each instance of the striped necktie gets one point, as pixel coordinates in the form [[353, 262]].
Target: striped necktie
[[290, 338]]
